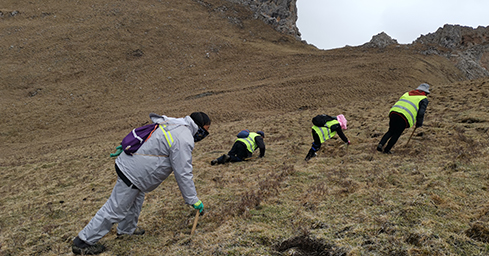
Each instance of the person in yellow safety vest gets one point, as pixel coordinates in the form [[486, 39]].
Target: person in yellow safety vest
[[243, 147], [406, 112], [324, 128]]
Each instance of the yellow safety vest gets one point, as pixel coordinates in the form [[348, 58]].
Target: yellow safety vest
[[408, 106], [325, 132], [250, 141]]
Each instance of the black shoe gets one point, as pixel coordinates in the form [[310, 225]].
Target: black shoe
[[214, 162], [388, 152], [80, 247], [137, 232], [309, 156], [379, 147]]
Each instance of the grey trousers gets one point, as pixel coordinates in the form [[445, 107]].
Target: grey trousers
[[123, 207]]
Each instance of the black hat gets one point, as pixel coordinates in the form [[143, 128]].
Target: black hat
[[200, 119]]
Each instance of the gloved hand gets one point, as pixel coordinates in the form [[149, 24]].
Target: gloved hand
[[118, 152], [199, 206], [418, 125]]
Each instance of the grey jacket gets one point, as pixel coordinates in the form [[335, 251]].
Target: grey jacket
[[155, 160]]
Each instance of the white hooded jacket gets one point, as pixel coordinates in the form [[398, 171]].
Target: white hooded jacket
[[155, 160]]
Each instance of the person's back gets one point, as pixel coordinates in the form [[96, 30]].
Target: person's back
[[324, 128], [167, 150], [409, 110], [243, 148]]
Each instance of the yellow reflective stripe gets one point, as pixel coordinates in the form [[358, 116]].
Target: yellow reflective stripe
[[249, 142], [322, 131], [168, 136], [329, 131], [407, 111], [410, 103], [408, 106]]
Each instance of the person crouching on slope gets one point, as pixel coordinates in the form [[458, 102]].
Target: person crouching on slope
[[408, 111], [324, 128], [169, 149], [243, 147]]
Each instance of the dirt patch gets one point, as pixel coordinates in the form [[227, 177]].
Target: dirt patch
[[308, 246], [478, 231]]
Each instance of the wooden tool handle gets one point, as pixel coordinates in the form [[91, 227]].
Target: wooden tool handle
[[410, 137], [195, 222]]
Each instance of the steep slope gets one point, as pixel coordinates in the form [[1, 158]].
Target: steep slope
[[105, 65], [76, 76]]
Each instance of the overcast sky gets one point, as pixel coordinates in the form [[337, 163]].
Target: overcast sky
[[329, 24]]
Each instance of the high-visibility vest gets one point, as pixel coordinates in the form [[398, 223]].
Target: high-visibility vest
[[250, 141], [408, 106], [324, 132]]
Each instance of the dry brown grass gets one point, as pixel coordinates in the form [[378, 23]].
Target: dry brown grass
[[77, 76]]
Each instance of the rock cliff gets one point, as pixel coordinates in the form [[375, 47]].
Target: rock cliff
[[467, 47], [280, 14]]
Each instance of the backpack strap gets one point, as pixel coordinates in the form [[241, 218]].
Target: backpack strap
[[151, 133]]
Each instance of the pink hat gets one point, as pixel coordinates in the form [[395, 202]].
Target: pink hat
[[341, 118]]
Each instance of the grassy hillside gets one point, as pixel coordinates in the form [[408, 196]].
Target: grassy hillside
[[75, 77]]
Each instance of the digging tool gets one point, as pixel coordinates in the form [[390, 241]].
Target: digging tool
[[195, 222], [410, 136]]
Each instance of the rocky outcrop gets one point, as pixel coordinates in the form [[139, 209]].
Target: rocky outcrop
[[380, 40], [467, 47], [280, 14], [456, 37]]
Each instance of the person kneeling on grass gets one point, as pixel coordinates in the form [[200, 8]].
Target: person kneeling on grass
[[324, 128], [167, 150], [243, 148]]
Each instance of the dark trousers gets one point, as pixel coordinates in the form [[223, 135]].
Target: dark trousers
[[238, 153], [397, 124]]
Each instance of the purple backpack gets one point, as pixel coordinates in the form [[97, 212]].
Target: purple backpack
[[133, 141]]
